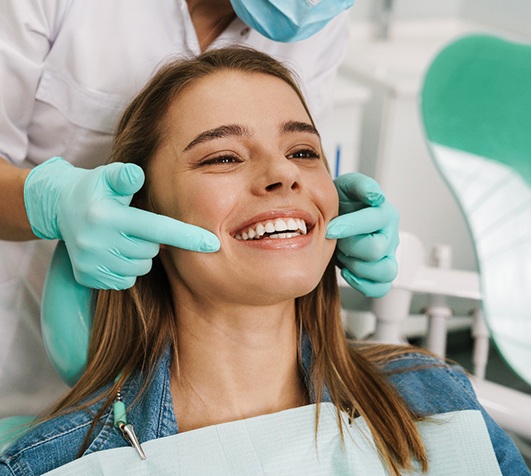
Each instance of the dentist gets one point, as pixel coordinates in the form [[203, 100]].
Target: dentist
[[67, 70]]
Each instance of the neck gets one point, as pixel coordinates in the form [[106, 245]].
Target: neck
[[210, 18], [235, 362]]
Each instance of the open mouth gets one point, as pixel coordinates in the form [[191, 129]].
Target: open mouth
[[278, 228]]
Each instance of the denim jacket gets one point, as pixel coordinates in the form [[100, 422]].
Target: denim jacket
[[427, 385]]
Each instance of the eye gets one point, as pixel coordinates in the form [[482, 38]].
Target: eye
[[306, 153], [221, 159]]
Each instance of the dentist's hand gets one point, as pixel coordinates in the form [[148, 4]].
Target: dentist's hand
[[109, 242], [367, 233]]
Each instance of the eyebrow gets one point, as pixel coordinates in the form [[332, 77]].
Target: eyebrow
[[297, 126], [218, 133], [240, 130]]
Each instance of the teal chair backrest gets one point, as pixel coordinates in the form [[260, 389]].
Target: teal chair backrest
[[476, 109], [66, 317]]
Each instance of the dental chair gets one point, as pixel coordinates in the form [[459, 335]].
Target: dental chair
[[476, 109]]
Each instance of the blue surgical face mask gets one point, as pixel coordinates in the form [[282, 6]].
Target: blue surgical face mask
[[288, 20]]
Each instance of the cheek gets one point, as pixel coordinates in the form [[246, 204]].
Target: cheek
[[329, 204], [333, 200], [327, 201], [326, 196], [204, 203]]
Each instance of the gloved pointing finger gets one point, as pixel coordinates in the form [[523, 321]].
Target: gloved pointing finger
[[362, 222], [127, 179], [161, 229], [108, 241]]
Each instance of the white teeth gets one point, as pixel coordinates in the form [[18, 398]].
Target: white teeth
[[269, 227], [284, 235], [280, 225], [292, 226]]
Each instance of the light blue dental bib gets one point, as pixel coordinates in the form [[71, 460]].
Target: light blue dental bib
[[284, 444]]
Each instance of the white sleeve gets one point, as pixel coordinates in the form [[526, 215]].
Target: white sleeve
[[27, 31], [330, 46]]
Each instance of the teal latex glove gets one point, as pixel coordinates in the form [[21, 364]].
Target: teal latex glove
[[367, 233], [109, 242], [12, 428]]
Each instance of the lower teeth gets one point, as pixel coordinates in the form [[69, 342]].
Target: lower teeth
[[284, 235]]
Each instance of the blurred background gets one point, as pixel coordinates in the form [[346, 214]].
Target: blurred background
[[378, 132], [378, 129]]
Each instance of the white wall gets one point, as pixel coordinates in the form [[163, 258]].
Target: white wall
[[511, 15], [364, 10]]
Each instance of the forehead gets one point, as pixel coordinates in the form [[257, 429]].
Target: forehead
[[256, 99]]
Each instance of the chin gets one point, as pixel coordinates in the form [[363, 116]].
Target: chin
[[287, 278], [283, 288]]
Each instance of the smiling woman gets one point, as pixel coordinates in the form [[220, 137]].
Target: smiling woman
[[205, 346], [240, 155]]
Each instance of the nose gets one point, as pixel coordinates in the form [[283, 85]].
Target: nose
[[278, 174]]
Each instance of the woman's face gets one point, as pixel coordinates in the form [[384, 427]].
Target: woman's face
[[242, 160]]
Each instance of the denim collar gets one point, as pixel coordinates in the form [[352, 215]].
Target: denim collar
[[153, 414]]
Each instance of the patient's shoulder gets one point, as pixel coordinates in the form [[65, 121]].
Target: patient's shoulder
[[58, 441], [46, 445], [53, 443], [430, 385]]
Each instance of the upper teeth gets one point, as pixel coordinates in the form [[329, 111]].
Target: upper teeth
[[294, 227]]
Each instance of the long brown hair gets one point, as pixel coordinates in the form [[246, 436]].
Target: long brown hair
[[132, 328]]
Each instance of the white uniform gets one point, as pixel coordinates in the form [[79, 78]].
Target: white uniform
[[67, 69]]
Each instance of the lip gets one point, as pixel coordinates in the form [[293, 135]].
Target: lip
[[274, 214], [278, 243]]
